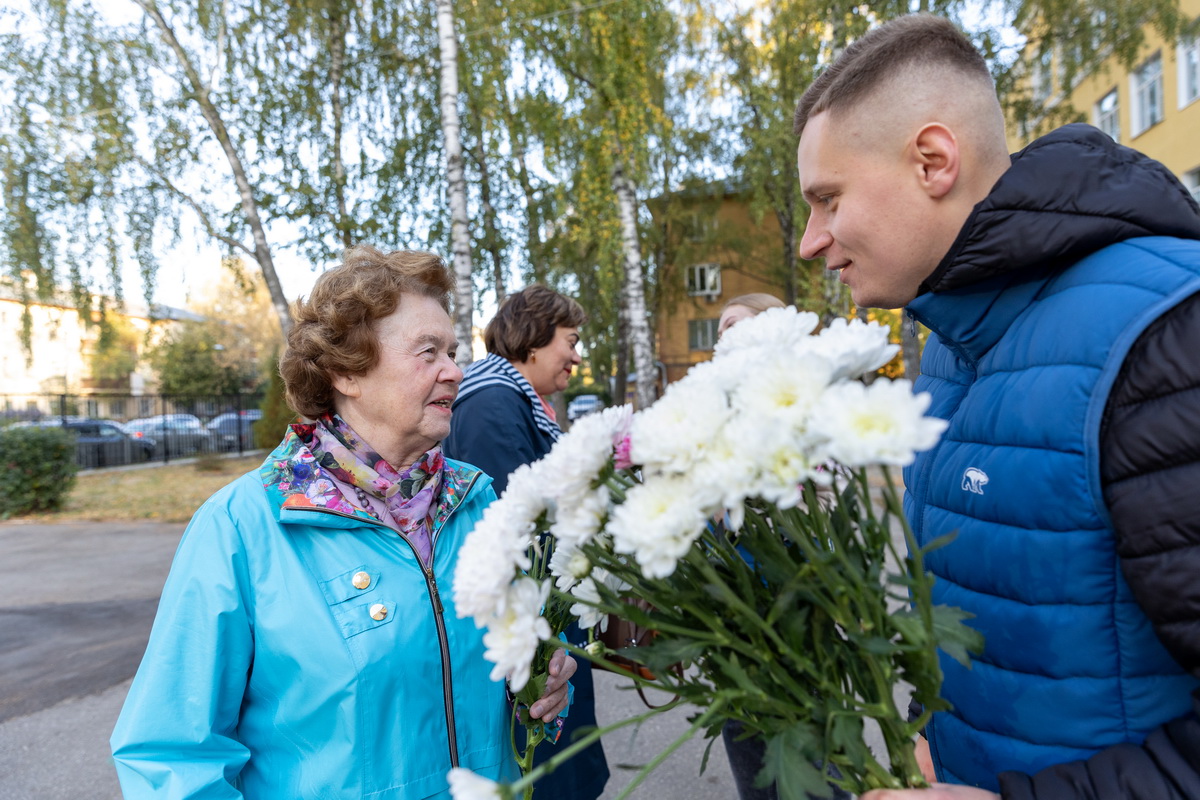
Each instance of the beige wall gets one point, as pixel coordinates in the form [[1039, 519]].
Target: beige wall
[[60, 347], [739, 275]]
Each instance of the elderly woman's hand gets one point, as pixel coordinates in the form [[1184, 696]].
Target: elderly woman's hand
[[561, 668]]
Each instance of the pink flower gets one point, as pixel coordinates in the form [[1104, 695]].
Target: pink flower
[[621, 453]]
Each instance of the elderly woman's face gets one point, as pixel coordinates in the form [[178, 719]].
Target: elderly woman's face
[[401, 407]]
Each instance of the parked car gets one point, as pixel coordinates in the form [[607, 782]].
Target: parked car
[[582, 405], [174, 434], [235, 429], [102, 442]]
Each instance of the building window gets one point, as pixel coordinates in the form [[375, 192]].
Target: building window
[[704, 279], [1189, 71], [1146, 83], [1107, 116], [702, 333], [1192, 181], [698, 226], [1043, 76]]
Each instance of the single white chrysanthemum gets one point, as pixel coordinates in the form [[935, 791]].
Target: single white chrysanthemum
[[658, 522], [513, 636], [854, 347], [589, 616], [728, 473], [589, 596], [493, 554], [674, 433], [578, 518], [466, 785], [569, 565], [783, 467], [781, 392], [883, 423]]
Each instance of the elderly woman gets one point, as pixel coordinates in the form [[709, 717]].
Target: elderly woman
[[303, 645], [503, 420]]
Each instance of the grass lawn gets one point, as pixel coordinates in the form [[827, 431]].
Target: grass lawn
[[164, 493]]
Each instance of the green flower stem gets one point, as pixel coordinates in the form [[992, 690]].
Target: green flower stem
[[740, 605]]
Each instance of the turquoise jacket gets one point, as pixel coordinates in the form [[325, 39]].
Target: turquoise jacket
[[300, 652]]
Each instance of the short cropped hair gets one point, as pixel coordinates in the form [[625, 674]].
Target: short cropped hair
[[913, 40], [528, 319], [333, 331], [757, 302]]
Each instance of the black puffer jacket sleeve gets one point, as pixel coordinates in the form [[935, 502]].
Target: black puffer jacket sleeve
[[1150, 469]]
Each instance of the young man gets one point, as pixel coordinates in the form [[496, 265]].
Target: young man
[[1061, 286]]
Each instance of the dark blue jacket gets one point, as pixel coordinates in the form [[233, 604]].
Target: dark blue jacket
[[1063, 280], [494, 429]]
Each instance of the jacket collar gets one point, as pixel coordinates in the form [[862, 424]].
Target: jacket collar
[[1066, 195]]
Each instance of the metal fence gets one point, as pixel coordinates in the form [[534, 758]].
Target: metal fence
[[118, 429]]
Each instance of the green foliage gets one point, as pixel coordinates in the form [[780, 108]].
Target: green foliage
[[276, 416], [37, 469], [116, 353], [191, 361]]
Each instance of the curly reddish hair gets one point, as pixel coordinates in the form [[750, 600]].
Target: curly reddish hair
[[333, 331]]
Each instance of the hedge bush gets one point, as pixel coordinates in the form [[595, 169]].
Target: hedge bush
[[276, 417], [37, 469]]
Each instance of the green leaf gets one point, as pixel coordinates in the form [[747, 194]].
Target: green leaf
[[788, 763], [955, 637]]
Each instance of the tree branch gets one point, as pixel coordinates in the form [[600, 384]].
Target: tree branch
[[205, 218]]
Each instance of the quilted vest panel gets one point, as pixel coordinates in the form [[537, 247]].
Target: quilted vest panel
[[1071, 665]]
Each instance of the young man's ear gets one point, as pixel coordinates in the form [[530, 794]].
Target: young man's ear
[[936, 158]]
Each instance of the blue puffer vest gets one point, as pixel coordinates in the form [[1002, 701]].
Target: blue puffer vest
[[1021, 363]]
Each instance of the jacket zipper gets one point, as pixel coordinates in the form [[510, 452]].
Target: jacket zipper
[[439, 619], [435, 600]]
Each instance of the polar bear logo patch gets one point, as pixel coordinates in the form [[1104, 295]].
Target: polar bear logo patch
[[974, 479]]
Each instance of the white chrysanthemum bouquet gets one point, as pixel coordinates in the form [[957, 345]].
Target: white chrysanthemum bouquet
[[739, 508]]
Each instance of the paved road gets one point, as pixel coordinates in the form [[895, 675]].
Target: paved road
[[76, 603]]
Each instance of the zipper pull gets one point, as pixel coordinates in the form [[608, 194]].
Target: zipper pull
[[436, 596], [912, 323]]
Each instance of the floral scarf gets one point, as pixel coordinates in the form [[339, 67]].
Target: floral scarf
[[409, 495]]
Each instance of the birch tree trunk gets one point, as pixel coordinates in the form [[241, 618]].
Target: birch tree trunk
[[460, 233], [633, 289], [337, 57], [203, 96]]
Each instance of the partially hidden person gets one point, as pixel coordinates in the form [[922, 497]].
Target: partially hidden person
[[746, 753], [504, 419]]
